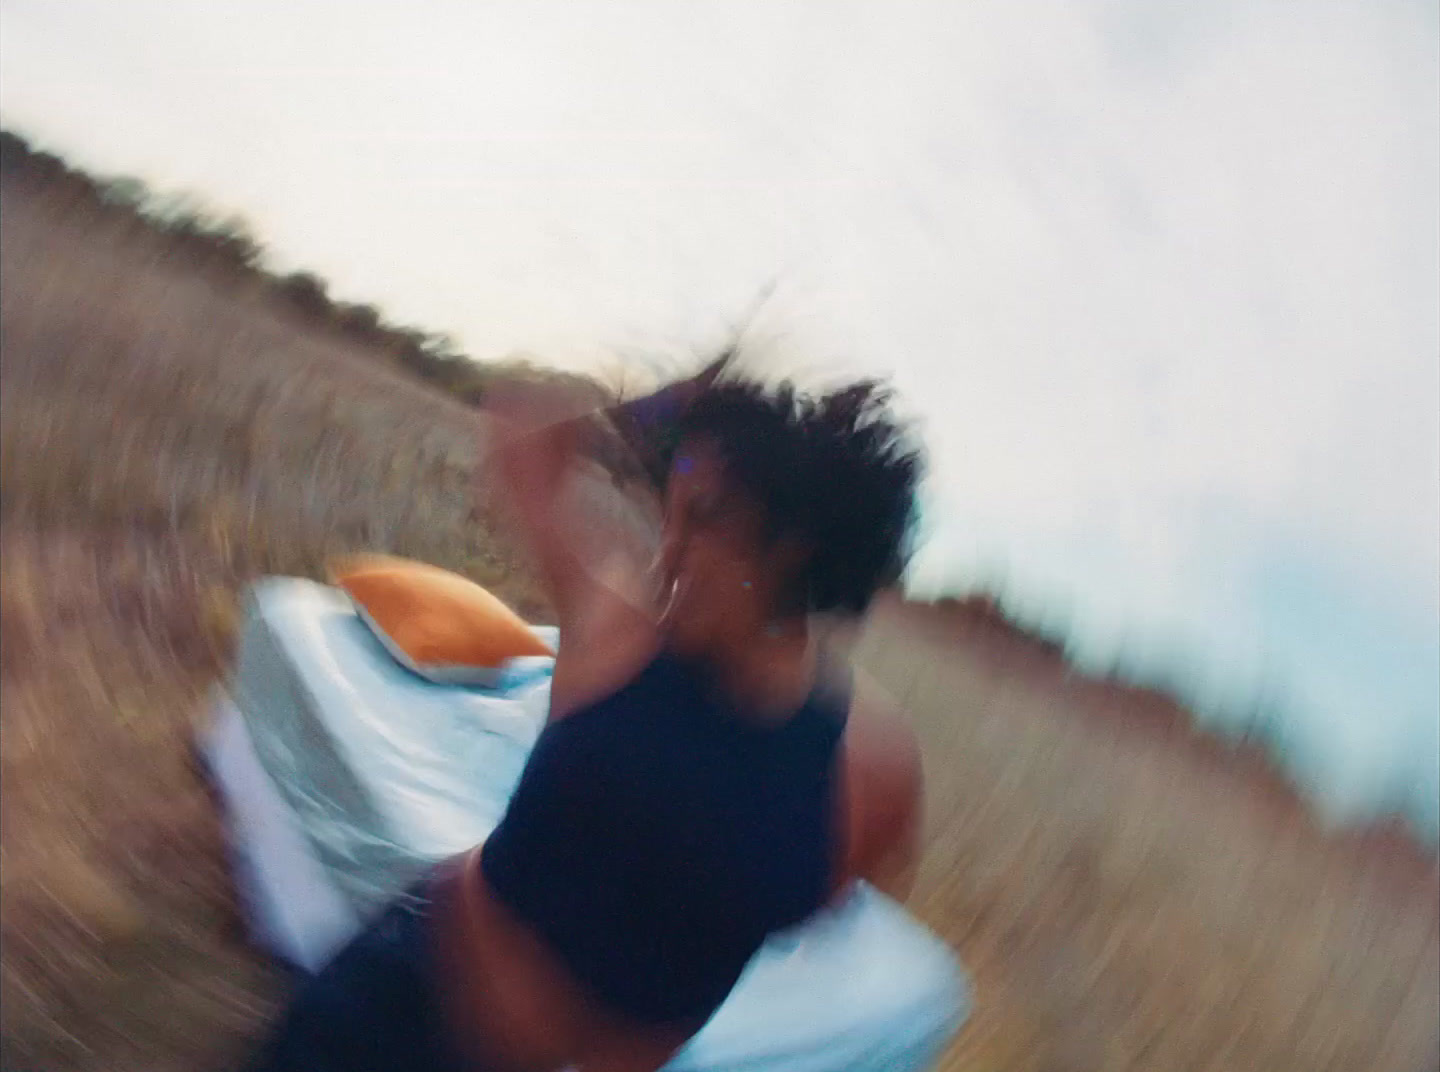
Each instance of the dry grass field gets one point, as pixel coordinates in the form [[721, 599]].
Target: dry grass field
[[1127, 902], [166, 437]]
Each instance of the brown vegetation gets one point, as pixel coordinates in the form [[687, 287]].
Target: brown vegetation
[[979, 623], [180, 229], [172, 427], [165, 437], [1131, 894]]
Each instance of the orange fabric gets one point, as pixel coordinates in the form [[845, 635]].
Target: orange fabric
[[437, 618]]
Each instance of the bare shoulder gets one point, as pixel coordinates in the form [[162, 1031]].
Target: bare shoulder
[[871, 700], [882, 805], [879, 732]]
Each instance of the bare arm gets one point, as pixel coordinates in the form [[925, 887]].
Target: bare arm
[[883, 794], [536, 433], [530, 442], [531, 450]]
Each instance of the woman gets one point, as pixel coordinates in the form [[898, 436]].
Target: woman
[[705, 779]]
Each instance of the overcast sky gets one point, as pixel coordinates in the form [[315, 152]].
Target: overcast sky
[[1162, 280]]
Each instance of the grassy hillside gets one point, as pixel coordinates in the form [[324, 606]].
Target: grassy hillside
[[180, 228], [171, 428], [163, 439], [1133, 897]]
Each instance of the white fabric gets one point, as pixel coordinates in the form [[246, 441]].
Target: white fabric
[[295, 910], [385, 772], [392, 773]]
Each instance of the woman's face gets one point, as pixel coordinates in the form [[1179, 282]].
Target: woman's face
[[722, 577]]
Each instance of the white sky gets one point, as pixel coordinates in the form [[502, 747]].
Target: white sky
[[1163, 280]]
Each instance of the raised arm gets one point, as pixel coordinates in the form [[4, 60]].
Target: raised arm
[[534, 435], [537, 431], [530, 439]]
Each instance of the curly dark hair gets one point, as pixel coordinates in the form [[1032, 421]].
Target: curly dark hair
[[838, 471]]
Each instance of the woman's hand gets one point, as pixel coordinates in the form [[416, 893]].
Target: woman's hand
[[532, 404], [530, 432], [644, 423]]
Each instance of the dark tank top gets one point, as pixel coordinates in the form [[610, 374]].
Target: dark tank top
[[657, 837]]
